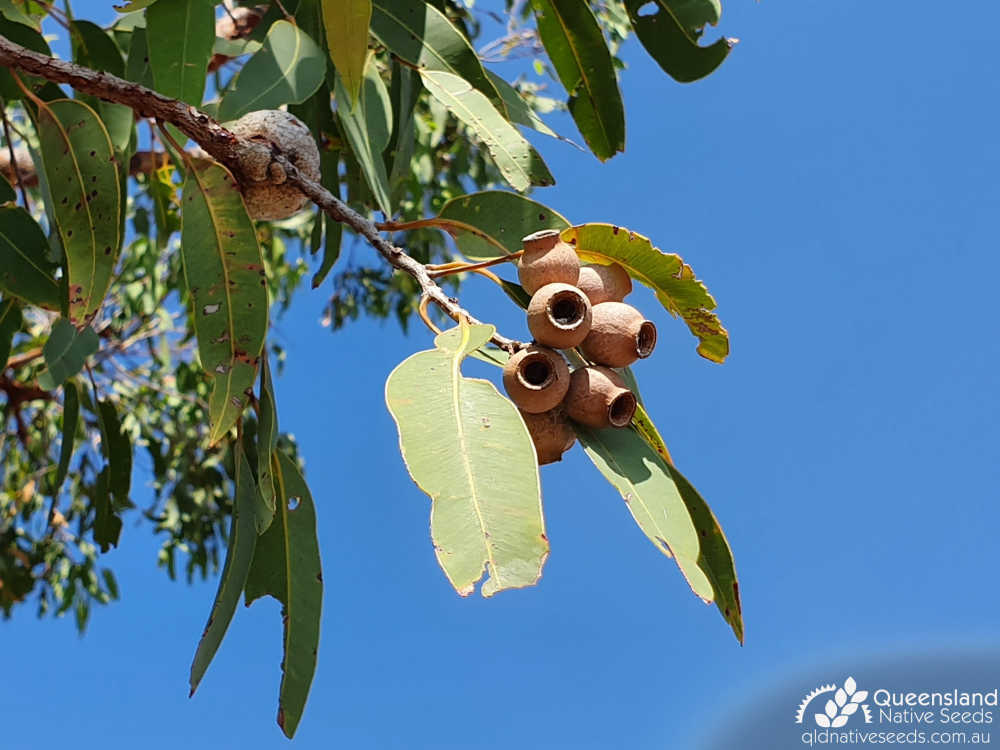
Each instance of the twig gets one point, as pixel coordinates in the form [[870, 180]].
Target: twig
[[13, 156]]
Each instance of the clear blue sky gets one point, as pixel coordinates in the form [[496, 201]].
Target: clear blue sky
[[835, 184]]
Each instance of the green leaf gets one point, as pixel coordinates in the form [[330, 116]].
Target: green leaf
[[421, 35], [518, 110], [517, 293], [267, 443], [346, 23], [25, 271], [666, 274], [82, 174], [10, 324], [133, 5], [286, 565], [286, 70], [405, 92], [368, 127], [26, 36], [516, 159], [70, 421], [7, 193], [117, 449], [20, 15], [466, 446], [573, 40], [225, 277], [672, 44], [492, 223], [242, 540], [137, 66], [180, 35], [695, 14], [94, 48], [65, 352], [107, 525]]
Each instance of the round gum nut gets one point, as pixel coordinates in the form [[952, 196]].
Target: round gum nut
[[536, 379], [559, 316], [604, 283], [546, 260], [598, 398], [551, 432], [619, 335]]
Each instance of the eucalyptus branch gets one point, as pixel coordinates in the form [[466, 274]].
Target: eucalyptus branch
[[242, 156]]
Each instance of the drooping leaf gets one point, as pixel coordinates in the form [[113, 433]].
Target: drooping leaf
[[94, 48], [117, 449], [346, 23], [225, 277], [672, 44], [242, 540], [107, 524], [286, 70], [516, 159], [82, 175], [420, 34], [666, 274], [71, 418], [286, 565], [652, 497], [367, 128], [10, 324], [518, 110], [459, 437], [26, 36], [25, 271], [493, 222], [267, 443], [574, 42], [405, 92], [65, 353], [180, 35]]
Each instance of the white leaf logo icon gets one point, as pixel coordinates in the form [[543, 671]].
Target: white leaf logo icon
[[839, 722], [859, 696], [850, 686], [849, 709], [831, 709], [823, 721], [840, 697]]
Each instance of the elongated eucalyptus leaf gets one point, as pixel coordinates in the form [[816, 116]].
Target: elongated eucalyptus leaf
[[333, 231], [672, 44], [82, 175], [286, 70], [405, 91], [26, 36], [694, 15], [10, 324], [20, 14], [518, 110], [65, 353], [666, 274], [575, 44], [267, 443], [137, 66], [94, 48], [516, 159], [466, 446], [420, 34], [225, 277], [242, 540], [117, 449], [180, 35], [107, 524], [346, 23], [286, 565], [368, 127], [652, 497], [25, 271], [493, 222], [70, 421]]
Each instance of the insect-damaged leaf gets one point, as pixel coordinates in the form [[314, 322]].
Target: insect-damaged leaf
[[673, 44], [65, 353], [286, 565], [346, 23], [94, 48], [695, 14], [666, 274], [82, 175], [574, 42], [25, 271], [368, 127], [516, 159], [466, 446], [286, 70], [242, 540], [225, 277]]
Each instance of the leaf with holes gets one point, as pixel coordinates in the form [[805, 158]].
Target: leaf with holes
[[368, 127], [458, 436], [574, 42], [421, 35], [180, 35], [694, 15], [225, 278], [673, 44], [516, 159], [94, 48], [25, 270], [82, 175], [346, 24], [666, 274], [26, 36], [242, 540], [286, 70], [286, 565], [65, 353]]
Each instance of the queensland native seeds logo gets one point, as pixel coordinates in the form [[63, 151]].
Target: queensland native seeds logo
[[839, 707]]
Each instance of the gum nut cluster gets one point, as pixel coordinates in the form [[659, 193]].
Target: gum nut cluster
[[273, 199], [573, 306]]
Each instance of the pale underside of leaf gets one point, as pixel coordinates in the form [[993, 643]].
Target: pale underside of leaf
[[346, 23]]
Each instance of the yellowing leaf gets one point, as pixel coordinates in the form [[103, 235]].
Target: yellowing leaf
[[346, 23], [466, 446]]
